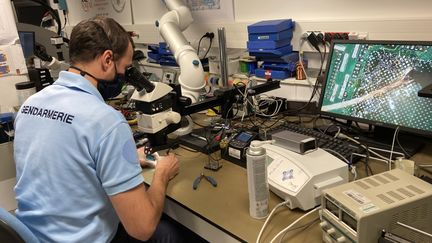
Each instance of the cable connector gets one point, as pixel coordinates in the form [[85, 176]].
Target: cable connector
[[209, 35], [314, 41]]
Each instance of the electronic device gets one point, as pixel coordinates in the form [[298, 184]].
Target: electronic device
[[27, 39], [361, 210], [376, 82], [236, 149], [295, 142], [324, 141], [300, 179]]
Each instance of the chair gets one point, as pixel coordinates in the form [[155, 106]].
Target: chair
[[13, 230]]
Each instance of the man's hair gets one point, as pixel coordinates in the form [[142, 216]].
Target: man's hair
[[90, 38]]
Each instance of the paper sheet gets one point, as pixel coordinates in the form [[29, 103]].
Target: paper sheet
[[8, 30], [212, 11], [12, 60]]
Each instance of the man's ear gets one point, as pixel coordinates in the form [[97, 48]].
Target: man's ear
[[107, 59]]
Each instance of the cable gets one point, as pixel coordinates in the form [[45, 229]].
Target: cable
[[392, 147], [341, 135], [208, 49], [305, 226], [400, 146], [337, 154], [199, 44], [52, 12], [313, 86], [268, 219], [293, 223]]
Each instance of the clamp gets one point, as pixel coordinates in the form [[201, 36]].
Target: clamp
[[208, 178]]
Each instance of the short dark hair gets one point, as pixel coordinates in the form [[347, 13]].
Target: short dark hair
[[90, 38]]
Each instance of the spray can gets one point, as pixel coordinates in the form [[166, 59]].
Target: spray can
[[257, 181]]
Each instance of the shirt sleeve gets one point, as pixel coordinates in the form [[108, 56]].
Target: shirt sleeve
[[117, 164]]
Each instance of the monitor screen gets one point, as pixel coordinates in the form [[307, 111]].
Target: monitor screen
[[27, 39], [376, 82]]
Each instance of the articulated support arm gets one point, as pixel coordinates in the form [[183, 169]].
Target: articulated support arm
[[170, 26]]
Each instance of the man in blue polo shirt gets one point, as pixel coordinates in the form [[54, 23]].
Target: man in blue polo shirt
[[78, 173]]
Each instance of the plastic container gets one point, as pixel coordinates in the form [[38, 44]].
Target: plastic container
[[24, 90]]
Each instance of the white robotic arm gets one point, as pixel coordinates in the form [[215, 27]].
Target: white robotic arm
[[170, 26], [157, 115]]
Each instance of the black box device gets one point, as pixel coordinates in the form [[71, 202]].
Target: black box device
[[236, 150], [295, 142]]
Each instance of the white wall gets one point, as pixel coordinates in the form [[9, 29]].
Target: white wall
[[382, 19], [312, 10]]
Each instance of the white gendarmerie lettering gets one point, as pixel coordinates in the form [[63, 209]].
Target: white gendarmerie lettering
[[47, 113]]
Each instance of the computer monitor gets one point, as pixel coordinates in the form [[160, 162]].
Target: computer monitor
[[376, 82], [27, 39]]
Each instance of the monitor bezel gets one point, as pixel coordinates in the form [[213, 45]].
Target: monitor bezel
[[424, 133]]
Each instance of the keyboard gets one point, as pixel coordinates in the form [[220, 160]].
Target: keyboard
[[326, 142]]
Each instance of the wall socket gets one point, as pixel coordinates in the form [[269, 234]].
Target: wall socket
[[169, 76], [328, 36]]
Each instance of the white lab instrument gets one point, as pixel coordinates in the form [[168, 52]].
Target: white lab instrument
[[300, 179], [361, 211]]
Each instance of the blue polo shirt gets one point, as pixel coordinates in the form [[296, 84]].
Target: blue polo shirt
[[72, 151]]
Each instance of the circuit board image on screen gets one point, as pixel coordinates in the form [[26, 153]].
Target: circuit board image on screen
[[378, 83]]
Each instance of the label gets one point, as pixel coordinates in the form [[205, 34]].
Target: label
[[370, 207], [234, 153], [357, 197], [257, 185]]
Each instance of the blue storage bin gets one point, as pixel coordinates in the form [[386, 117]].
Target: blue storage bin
[[291, 67], [154, 56], [290, 57], [271, 26], [271, 53], [286, 34], [153, 47], [163, 49], [274, 74], [267, 44]]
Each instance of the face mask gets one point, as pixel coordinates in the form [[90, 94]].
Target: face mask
[[110, 89], [107, 88]]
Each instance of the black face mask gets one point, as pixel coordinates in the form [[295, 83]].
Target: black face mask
[[108, 89]]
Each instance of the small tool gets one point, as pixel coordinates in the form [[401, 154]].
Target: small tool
[[208, 178]]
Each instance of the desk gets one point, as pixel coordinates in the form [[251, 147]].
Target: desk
[[221, 214]]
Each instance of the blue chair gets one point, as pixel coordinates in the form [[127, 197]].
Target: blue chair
[[13, 230]]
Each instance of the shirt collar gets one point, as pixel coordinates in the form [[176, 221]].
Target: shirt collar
[[74, 80]]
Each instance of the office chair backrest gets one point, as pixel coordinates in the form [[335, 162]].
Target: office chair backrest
[[13, 230]]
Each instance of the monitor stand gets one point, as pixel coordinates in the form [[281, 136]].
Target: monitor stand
[[382, 138]]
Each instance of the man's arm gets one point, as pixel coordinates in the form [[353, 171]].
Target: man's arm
[[140, 210]]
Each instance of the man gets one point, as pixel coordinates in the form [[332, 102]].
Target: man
[[78, 172]]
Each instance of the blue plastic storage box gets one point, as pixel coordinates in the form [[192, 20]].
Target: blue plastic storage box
[[270, 26], [286, 34], [274, 74], [271, 53], [267, 44]]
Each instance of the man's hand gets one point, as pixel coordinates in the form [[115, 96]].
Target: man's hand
[[168, 166]]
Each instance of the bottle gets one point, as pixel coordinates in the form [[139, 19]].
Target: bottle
[[258, 188], [24, 90]]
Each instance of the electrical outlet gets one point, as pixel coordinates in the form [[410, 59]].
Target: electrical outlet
[[329, 36], [169, 76], [358, 35]]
